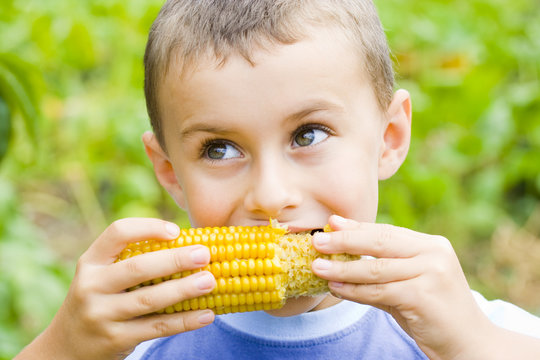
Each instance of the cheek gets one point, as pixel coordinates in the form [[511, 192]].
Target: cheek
[[209, 203], [350, 187]]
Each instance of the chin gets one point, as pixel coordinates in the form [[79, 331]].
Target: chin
[[299, 306]]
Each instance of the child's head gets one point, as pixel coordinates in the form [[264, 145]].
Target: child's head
[[286, 115], [187, 30]]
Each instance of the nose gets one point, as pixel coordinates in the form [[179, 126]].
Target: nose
[[273, 190]]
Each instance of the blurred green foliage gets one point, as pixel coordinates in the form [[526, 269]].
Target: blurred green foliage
[[72, 112], [473, 70]]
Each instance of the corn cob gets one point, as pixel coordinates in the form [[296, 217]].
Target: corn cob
[[256, 268]]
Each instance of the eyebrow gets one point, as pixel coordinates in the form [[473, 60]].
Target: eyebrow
[[203, 127], [311, 107]]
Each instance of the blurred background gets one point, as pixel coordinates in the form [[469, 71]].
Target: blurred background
[[71, 161]]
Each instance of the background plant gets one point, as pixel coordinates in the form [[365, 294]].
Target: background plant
[[71, 161]]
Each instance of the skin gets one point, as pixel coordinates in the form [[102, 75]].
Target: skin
[[297, 137]]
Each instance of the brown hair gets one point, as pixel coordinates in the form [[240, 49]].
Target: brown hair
[[186, 30]]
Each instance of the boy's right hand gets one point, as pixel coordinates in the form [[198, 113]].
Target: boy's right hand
[[100, 320]]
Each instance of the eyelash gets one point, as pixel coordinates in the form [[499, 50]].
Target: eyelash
[[211, 142], [311, 126]]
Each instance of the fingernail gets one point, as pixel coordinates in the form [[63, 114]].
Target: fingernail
[[335, 284], [322, 264], [172, 229], [204, 281], [321, 239], [200, 256], [206, 318]]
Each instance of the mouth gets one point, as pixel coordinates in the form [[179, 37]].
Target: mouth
[[301, 229], [294, 228]]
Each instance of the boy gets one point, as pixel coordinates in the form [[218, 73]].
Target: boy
[[279, 109]]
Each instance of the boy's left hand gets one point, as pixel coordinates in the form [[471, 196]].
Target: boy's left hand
[[415, 277]]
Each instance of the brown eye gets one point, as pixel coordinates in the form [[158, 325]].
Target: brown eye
[[216, 152], [305, 137], [309, 136]]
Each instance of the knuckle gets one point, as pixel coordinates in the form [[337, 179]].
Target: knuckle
[[439, 268], [343, 239], [116, 226], [376, 292], [178, 261], [145, 303], [134, 269], [439, 265], [81, 268], [119, 227], [161, 327], [82, 290], [383, 238], [443, 244], [115, 337], [81, 293], [376, 268], [92, 316], [184, 324]]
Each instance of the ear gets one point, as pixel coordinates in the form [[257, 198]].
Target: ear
[[163, 167], [396, 136]]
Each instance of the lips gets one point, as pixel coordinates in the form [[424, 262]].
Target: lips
[[302, 229], [290, 227]]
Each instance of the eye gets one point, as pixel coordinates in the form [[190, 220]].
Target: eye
[[310, 135], [219, 150]]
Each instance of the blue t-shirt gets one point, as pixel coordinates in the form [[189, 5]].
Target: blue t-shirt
[[344, 331]]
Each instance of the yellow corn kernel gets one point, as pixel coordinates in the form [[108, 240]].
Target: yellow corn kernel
[[194, 303], [259, 267], [243, 268], [237, 285], [245, 284], [235, 268], [251, 266], [225, 269], [210, 301], [216, 269]]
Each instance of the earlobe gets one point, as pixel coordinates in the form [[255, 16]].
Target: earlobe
[[163, 167], [397, 135]]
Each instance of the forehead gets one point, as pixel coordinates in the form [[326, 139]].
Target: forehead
[[317, 38], [322, 66]]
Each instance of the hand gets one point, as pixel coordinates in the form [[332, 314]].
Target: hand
[[100, 320], [415, 277]]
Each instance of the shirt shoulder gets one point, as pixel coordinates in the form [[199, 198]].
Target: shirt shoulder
[[509, 316]]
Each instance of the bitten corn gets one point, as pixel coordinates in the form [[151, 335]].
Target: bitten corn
[[256, 268]]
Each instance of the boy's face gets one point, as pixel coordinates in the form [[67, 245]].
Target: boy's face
[[297, 137]]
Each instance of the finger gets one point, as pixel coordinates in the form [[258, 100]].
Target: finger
[[149, 299], [122, 232], [383, 296], [168, 324], [127, 334], [133, 271], [368, 271], [378, 240]]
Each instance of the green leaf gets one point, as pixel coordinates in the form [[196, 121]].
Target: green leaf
[[5, 128], [16, 88]]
